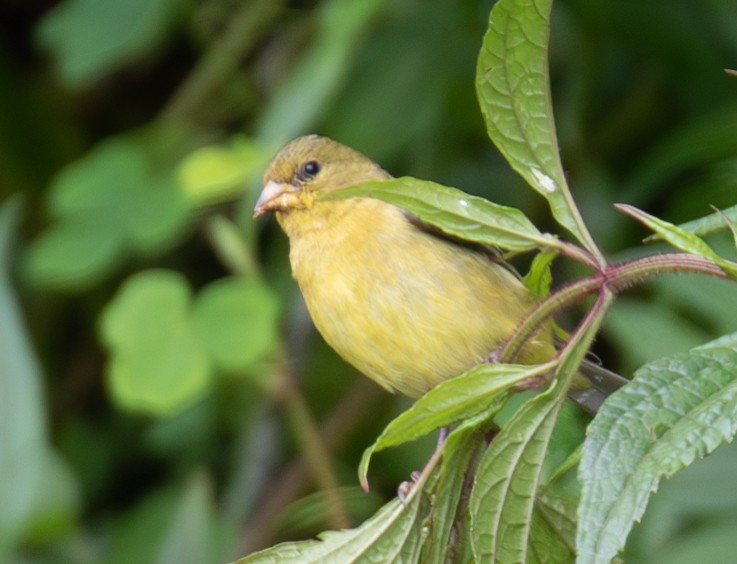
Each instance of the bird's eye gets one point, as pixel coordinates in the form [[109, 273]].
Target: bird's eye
[[310, 169]]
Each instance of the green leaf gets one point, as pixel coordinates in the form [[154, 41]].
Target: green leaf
[[503, 497], [675, 410], [513, 88], [23, 441], [307, 90], [455, 213], [66, 256], [539, 278], [683, 240], [480, 390], [508, 478], [217, 174], [228, 241], [558, 517], [459, 449], [90, 38], [237, 320], [57, 500], [708, 224], [114, 201], [158, 363], [394, 534], [195, 534]]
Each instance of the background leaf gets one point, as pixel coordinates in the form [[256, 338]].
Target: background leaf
[[23, 441], [114, 201], [340, 25], [237, 320], [75, 29], [158, 364]]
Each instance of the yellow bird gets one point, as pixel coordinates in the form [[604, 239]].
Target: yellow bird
[[406, 306]]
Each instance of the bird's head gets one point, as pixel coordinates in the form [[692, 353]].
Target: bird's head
[[308, 166]]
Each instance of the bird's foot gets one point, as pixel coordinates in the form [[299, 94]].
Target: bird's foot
[[407, 486]]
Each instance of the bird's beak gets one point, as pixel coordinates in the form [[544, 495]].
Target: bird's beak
[[276, 196]]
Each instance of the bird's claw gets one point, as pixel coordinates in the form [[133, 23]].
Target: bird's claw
[[406, 487]]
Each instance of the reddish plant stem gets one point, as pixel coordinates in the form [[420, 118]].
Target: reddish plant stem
[[616, 278]]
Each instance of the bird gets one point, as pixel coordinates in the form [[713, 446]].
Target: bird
[[402, 303]]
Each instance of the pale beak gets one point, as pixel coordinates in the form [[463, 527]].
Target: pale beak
[[275, 196]]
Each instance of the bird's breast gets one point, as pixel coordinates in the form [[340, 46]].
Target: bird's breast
[[406, 308]]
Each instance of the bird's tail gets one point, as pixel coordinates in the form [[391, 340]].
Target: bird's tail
[[594, 385]]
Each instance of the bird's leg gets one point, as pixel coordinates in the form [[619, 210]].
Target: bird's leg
[[406, 487]]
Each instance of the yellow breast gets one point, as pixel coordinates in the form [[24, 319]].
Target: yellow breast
[[405, 307]]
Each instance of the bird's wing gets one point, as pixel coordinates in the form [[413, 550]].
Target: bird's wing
[[491, 253]]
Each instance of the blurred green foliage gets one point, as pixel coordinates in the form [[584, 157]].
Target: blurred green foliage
[[131, 144]]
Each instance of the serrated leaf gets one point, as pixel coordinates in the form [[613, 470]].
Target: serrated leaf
[[393, 534], [513, 88], [675, 410], [237, 320], [506, 481], [477, 391], [683, 240], [508, 478], [446, 538], [455, 213], [90, 38], [459, 449], [559, 514], [158, 363]]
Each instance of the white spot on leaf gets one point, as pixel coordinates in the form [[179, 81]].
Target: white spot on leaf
[[544, 181]]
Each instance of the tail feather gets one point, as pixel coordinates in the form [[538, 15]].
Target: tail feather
[[596, 385]]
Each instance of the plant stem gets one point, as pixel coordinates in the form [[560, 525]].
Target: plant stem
[[229, 246], [579, 254], [314, 450], [621, 276], [616, 278], [578, 344], [246, 26], [292, 482]]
